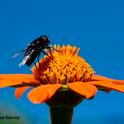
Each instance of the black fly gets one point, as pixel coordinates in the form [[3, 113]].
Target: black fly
[[34, 50]]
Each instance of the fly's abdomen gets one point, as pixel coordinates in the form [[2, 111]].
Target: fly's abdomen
[[31, 58]]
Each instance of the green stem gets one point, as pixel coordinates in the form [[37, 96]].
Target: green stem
[[61, 115], [61, 105]]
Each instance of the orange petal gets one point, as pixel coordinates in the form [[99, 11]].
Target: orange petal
[[102, 78], [108, 84], [99, 78], [15, 79], [119, 82], [43, 93], [7, 83], [84, 89], [19, 91]]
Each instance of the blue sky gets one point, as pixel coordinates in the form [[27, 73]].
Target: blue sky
[[97, 27]]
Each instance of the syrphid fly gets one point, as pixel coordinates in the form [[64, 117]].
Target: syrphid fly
[[34, 49]]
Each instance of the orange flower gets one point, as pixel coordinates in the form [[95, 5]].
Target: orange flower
[[62, 69]]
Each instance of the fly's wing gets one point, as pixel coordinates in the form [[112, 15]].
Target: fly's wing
[[32, 51], [18, 53], [29, 57], [24, 60]]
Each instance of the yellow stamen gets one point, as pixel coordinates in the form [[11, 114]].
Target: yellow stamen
[[62, 66]]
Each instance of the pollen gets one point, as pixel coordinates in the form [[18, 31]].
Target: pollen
[[62, 65]]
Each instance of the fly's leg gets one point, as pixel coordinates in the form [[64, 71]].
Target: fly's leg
[[35, 65], [48, 47], [39, 61], [47, 54]]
